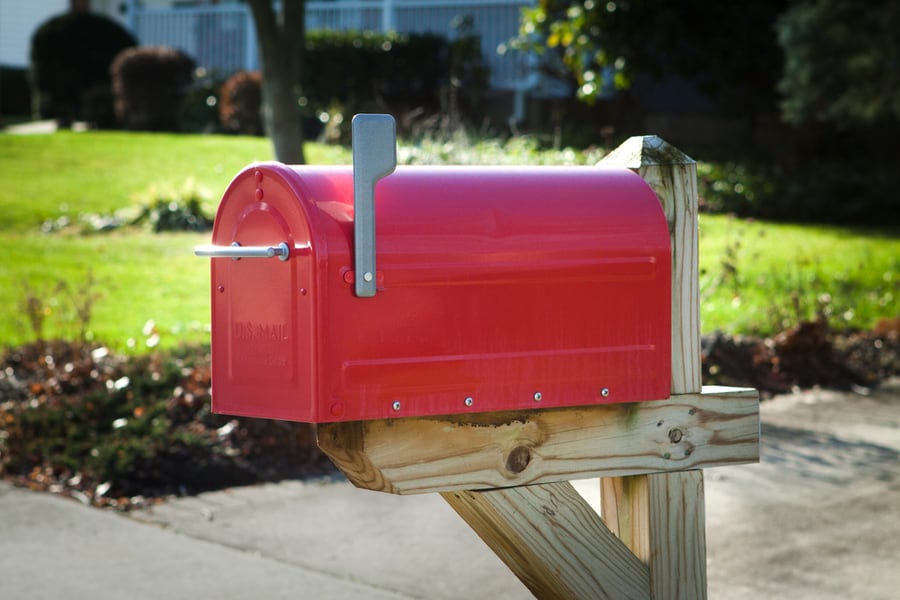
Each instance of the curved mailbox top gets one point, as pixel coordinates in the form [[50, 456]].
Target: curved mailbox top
[[497, 289]]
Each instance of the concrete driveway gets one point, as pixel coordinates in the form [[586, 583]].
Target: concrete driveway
[[818, 518]]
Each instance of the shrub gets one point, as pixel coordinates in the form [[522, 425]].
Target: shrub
[[199, 111], [99, 107], [830, 190], [15, 97], [150, 84], [240, 103], [468, 74], [396, 73], [378, 72], [392, 68], [70, 54], [167, 209]]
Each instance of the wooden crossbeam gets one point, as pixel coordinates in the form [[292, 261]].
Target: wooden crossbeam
[[464, 452]]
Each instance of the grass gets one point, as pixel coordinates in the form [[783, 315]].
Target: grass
[[45, 176], [141, 287], [145, 284], [761, 277]]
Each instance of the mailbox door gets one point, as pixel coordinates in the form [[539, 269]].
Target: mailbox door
[[264, 326]]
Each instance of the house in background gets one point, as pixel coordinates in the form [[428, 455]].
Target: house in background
[[219, 34], [19, 20]]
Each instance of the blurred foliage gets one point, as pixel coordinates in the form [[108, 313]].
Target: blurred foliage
[[728, 49], [409, 75], [833, 62], [356, 67], [81, 421], [842, 61], [402, 74], [864, 190], [169, 209], [15, 95], [461, 148], [199, 111], [150, 84], [70, 55], [240, 103]]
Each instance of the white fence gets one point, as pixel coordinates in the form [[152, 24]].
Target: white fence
[[221, 37]]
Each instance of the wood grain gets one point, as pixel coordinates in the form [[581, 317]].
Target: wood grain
[[677, 533], [673, 537], [673, 176], [553, 541], [435, 454]]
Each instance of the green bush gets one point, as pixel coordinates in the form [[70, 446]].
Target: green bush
[[240, 103], [824, 190], [99, 107], [150, 84], [469, 75], [70, 55], [396, 73], [15, 97], [199, 112], [346, 72], [358, 67]]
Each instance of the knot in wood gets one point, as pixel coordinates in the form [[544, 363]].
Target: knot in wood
[[518, 459], [675, 435]]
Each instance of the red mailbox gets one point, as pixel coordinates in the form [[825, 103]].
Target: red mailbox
[[494, 289]]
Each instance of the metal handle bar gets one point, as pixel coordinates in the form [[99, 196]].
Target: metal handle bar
[[237, 252]]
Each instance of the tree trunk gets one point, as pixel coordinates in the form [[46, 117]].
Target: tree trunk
[[281, 40]]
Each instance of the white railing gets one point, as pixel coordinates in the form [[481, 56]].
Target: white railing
[[221, 38]]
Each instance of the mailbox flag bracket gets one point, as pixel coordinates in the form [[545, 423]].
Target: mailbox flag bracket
[[374, 139]]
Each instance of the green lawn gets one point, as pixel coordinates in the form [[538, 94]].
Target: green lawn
[[762, 277], [756, 276], [133, 276]]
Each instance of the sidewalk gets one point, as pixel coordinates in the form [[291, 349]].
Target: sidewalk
[[819, 518], [34, 127]]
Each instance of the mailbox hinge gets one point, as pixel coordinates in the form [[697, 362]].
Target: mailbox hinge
[[374, 139]]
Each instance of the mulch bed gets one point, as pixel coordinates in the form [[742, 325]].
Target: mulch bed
[[191, 451], [807, 355]]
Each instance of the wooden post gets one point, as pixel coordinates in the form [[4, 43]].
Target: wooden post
[[662, 517], [507, 473]]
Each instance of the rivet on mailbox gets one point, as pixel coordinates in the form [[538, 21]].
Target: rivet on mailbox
[[424, 285]]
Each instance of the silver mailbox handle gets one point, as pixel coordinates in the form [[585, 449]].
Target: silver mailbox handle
[[236, 251]]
